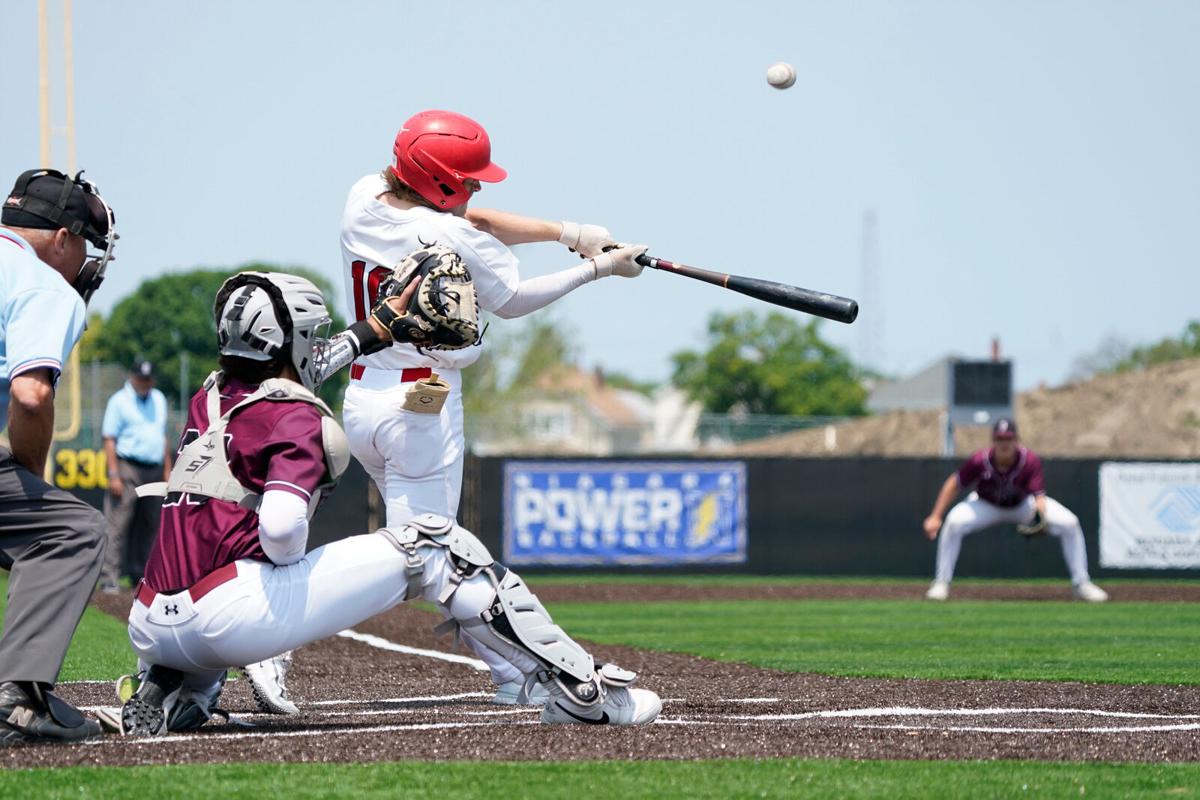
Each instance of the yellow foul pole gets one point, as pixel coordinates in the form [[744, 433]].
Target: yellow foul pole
[[75, 390]]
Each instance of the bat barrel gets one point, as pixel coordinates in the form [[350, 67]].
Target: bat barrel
[[821, 304]]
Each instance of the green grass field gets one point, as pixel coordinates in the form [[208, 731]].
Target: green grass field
[[1119, 642], [650, 779], [1111, 643]]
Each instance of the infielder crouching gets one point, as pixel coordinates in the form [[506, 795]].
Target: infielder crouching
[[1008, 487], [228, 581]]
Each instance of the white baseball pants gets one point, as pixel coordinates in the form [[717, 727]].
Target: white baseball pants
[[974, 514], [269, 609], [416, 460]]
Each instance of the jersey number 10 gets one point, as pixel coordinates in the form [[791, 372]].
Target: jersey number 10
[[366, 287]]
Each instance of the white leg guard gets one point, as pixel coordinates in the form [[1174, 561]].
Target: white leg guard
[[492, 605]]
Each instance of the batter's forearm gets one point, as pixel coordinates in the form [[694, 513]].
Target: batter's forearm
[[512, 228]]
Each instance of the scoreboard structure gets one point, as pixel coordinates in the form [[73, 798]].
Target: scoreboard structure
[[978, 393]]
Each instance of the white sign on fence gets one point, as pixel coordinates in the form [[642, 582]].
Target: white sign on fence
[[1150, 516]]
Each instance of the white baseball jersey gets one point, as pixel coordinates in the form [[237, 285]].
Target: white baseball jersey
[[376, 237]]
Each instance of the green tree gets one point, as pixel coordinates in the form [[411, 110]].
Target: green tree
[[1169, 349], [769, 364], [172, 315]]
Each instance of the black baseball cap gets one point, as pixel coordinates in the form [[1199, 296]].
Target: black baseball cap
[[46, 199], [1004, 428], [142, 368]]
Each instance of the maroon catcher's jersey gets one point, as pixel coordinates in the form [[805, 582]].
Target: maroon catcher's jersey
[[272, 445]]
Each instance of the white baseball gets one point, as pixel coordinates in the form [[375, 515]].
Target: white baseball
[[781, 75]]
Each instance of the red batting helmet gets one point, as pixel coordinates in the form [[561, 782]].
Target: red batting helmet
[[436, 151]]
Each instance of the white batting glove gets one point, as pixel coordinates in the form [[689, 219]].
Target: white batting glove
[[620, 261], [587, 240]]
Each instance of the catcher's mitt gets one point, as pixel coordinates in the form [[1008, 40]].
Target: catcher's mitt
[[1035, 526], [443, 313]]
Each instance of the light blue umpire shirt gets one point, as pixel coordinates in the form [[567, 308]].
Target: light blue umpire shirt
[[41, 316], [139, 425]]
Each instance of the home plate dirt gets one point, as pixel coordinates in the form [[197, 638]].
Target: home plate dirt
[[364, 701]]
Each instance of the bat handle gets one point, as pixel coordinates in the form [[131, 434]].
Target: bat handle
[[645, 260]]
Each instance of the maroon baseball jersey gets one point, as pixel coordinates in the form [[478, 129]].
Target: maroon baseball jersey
[[271, 445], [1008, 488]]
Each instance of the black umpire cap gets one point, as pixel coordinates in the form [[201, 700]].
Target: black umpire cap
[[142, 369], [46, 199]]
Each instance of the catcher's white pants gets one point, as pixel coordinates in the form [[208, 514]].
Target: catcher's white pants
[[269, 609], [416, 460], [974, 514]]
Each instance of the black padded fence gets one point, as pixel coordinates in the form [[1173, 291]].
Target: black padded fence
[[816, 516]]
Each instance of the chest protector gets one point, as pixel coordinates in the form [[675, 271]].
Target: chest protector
[[202, 466]]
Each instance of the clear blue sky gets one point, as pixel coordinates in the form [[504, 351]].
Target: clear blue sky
[[1034, 165]]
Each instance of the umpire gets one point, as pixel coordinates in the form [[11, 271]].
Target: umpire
[[137, 450], [51, 542]]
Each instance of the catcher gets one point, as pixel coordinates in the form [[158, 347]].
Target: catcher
[[228, 581], [1008, 486]]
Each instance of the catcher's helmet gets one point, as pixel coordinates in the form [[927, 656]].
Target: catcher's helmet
[[265, 315], [436, 151]]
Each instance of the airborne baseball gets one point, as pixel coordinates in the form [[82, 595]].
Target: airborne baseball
[[781, 75]]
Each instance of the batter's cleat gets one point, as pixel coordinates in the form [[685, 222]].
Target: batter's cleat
[[31, 714], [1089, 592], [515, 693], [268, 684], [143, 714], [621, 706], [938, 590]]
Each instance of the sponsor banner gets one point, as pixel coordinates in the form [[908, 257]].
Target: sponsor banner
[[624, 512], [1150, 516]]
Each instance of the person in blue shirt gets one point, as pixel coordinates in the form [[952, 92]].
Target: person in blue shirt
[[138, 452], [51, 542]]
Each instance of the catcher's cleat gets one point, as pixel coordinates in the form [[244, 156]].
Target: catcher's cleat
[[1089, 592], [268, 684], [621, 706], [515, 693], [938, 590], [31, 714], [143, 714]]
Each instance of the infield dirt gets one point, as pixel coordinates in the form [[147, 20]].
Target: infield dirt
[[360, 703]]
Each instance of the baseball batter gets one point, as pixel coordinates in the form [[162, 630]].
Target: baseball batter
[[414, 450], [1006, 485], [228, 581]]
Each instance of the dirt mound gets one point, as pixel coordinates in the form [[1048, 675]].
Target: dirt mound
[[1152, 413]]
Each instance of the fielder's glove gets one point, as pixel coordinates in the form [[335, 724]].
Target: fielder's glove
[[1035, 527], [443, 313]]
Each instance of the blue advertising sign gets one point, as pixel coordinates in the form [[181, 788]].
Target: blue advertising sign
[[624, 512]]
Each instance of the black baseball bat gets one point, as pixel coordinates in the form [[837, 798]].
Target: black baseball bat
[[829, 306]]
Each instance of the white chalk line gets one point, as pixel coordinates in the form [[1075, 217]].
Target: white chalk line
[[904, 711], [1194, 726], [383, 644], [433, 698], [173, 739]]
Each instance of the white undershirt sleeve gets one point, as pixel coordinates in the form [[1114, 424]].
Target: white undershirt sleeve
[[283, 526], [543, 290]]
